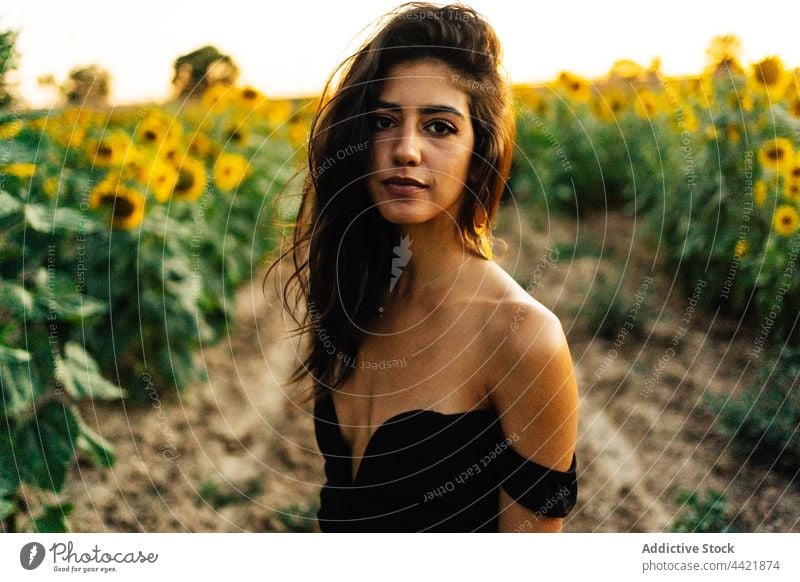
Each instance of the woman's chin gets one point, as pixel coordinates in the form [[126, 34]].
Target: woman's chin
[[404, 211], [404, 217]]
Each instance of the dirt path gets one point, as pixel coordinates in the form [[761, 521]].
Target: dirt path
[[245, 459]]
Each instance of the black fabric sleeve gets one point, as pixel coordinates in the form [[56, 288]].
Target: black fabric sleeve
[[541, 489]]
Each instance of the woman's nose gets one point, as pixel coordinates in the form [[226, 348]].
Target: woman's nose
[[407, 148]]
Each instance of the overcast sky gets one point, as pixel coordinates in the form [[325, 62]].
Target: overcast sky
[[289, 47]]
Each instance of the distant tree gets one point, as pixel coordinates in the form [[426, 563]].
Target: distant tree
[[196, 71], [8, 62], [89, 85]]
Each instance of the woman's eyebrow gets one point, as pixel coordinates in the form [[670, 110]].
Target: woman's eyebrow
[[425, 109]]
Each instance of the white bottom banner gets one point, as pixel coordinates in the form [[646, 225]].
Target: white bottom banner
[[400, 557]]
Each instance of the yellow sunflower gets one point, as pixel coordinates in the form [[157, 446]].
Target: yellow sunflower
[[158, 130], [775, 154], [690, 122], [576, 87], [647, 104], [200, 145], [612, 103], [691, 86], [151, 130], [276, 111], [159, 177], [769, 75], [217, 96], [229, 171], [760, 193], [298, 132], [786, 220], [249, 98], [126, 204], [51, 186], [173, 153], [793, 105], [68, 136], [747, 102], [529, 97], [21, 171], [10, 129], [733, 133], [75, 116], [236, 133], [791, 190], [740, 101], [191, 180], [793, 170], [110, 150], [39, 124]]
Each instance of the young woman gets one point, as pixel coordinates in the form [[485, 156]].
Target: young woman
[[444, 395]]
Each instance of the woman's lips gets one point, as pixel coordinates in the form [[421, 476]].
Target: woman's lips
[[400, 189]]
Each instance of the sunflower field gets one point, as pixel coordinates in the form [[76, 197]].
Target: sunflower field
[[710, 163], [710, 166], [124, 234]]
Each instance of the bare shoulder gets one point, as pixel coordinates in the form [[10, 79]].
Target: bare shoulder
[[518, 318], [510, 323], [532, 383]]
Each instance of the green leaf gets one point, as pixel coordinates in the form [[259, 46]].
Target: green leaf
[[45, 219], [37, 218], [18, 379], [7, 507], [8, 204], [81, 376], [45, 446], [58, 293], [53, 518], [9, 477], [14, 355], [71, 220], [18, 300], [99, 450]]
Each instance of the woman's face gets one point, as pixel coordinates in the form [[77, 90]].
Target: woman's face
[[422, 141]]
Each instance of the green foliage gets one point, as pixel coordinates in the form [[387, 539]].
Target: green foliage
[[53, 518], [687, 159], [703, 514], [83, 302], [764, 420], [611, 312], [298, 519], [565, 160], [580, 247], [219, 494], [8, 62]]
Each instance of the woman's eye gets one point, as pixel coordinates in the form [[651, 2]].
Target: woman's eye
[[382, 122], [442, 128]]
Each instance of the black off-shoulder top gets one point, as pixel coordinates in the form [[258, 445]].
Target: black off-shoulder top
[[427, 471]]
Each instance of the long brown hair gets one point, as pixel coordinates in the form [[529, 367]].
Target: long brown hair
[[342, 247]]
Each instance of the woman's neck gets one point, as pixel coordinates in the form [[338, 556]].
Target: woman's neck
[[428, 262]]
